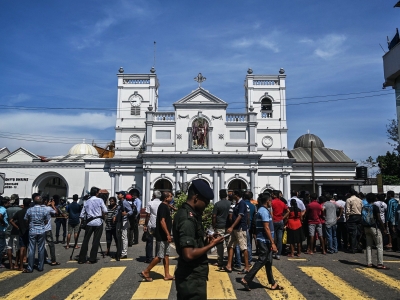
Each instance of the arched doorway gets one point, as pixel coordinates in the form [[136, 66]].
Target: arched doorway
[[49, 184], [237, 184], [163, 185]]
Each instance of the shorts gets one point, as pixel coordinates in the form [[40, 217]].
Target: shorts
[[163, 249], [238, 237], [74, 228], [315, 227], [24, 240], [12, 243]]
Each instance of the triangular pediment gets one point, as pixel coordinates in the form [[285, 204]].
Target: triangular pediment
[[4, 152], [21, 155], [200, 97]]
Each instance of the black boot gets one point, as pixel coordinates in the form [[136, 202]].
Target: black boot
[[57, 241], [63, 242]]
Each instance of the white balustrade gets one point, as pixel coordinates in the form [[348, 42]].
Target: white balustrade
[[164, 116], [266, 114], [265, 82], [236, 117]]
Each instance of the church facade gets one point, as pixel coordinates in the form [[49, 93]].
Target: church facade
[[199, 138]]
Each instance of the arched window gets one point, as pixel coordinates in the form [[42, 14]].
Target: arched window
[[200, 139], [266, 108], [163, 185], [237, 184]]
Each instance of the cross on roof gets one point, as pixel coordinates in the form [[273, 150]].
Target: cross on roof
[[200, 78]]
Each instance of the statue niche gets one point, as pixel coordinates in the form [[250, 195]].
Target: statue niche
[[200, 134]]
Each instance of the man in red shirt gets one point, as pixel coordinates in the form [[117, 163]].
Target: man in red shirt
[[314, 215], [279, 209]]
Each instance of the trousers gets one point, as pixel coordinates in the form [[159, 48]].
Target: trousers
[[264, 260], [52, 248], [36, 240], [97, 232]]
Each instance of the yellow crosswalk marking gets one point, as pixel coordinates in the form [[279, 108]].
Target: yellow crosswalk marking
[[8, 274], [98, 284], [330, 282], [158, 288], [219, 285], [289, 291], [378, 276], [37, 286]]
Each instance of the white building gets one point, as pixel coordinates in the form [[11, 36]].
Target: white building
[[198, 139]]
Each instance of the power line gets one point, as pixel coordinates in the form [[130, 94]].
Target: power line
[[115, 109]]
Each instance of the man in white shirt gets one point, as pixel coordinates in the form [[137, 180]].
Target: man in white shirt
[[94, 211], [300, 204], [150, 223], [341, 232]]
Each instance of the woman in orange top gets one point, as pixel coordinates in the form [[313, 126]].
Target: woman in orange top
[[294, 228]]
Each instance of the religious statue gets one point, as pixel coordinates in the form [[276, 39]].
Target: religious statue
[[199, 133]]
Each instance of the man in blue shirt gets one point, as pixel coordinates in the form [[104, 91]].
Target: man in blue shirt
[[37, 217], [391, 218], [3, 226], [122, 213], [94, 211], [74, 210], [265, 241], [138, 203], [238, 231]]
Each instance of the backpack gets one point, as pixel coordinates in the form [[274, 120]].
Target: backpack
[[135, 211], [367, 215]]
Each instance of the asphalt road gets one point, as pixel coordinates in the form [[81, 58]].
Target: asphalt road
[[332, 276]]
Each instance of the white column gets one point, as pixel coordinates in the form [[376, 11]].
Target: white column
[[286, 185], [252, 181], [215, 186], [184, 176], [319, 189], [177, 179], [116, 182], [148, 173], [222, 179], [112, 175]]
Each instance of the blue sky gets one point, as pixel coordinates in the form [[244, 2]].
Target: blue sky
[[67, 53]]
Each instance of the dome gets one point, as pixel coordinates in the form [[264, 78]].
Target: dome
[[83, 149], [305, 141]]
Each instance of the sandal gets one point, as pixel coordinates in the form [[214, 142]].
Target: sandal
[[55, 264], [226, 269], [382, 267], [245, 285], [26, 271], [243, 272], [290, 255], [145, 279], [277, 288], [370, 266]]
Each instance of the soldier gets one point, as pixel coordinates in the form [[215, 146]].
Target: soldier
[[192, 271]]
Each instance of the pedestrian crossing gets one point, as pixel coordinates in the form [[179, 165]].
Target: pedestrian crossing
[[221, 285]]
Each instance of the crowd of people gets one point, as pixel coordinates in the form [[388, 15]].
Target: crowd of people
[[276, 226]]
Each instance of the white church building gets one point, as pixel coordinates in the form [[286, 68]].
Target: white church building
[[198, 139]]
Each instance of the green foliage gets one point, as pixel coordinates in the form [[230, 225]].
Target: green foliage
[[390, 167], [207, 214]]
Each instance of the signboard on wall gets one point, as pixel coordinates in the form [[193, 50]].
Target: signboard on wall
[[2, 182]]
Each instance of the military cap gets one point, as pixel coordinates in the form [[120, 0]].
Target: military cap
[[203, 189]]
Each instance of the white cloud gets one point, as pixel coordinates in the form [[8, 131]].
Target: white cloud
[[14, 99], [328, 46], [267, 42], [52, 134]]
